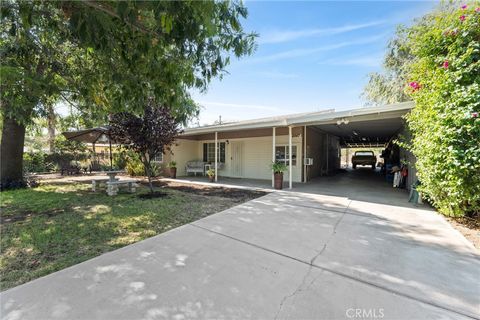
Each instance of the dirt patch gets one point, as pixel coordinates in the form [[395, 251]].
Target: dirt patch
[[153, 195], [230, 193], [469, 227]]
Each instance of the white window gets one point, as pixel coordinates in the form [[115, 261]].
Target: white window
[[209, 152], [281, 155], [158, 158]]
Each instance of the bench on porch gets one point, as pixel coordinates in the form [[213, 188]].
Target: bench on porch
[[195, 167], [112, 186]]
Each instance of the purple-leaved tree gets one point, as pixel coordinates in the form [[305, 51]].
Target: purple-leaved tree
[[149, 135]]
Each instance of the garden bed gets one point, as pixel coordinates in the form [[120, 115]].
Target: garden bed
[[57, 225], [469, 227]]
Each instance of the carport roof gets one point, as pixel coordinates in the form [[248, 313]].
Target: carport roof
[[374, 124]]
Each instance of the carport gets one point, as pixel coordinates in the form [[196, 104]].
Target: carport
[[371, 127]]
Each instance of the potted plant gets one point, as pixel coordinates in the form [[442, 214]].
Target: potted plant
[[173, 169], [278, 169], [211, 175]]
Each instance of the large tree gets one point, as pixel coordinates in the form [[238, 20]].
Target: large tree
[[388, 86], [108, 56]]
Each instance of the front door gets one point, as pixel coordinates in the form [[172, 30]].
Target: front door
[[237, 159]]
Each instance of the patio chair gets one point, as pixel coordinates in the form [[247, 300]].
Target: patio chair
[[69, 169]]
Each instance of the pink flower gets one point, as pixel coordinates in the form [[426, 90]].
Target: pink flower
[[414, 85], [463, 17], [446, 64], [464, 7], [474, 114], [477, 9]]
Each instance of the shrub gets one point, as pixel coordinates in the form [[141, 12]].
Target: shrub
[[445, 85], [134, 167], [278, 167], [120, 160], [37, 162], [157, 169]]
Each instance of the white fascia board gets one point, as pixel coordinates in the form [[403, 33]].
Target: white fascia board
[[394, 109], [301, 119], [235, 126]]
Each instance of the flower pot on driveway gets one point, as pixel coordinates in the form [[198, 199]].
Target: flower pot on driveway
[[173, 173], [211, 178], [278, 180]]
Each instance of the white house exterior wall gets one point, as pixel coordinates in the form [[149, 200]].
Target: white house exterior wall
[[256, 160]]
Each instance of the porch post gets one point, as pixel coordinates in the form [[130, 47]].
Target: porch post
[[304, 154], [290, 157], [328, 147], [273, 154], [216, 155]]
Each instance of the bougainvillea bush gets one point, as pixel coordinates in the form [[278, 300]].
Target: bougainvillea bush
[[444, 82]]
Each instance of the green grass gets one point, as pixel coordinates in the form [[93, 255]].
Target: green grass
[[54, 226]]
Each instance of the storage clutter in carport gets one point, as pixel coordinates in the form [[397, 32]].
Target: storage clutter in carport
[[400, 175]]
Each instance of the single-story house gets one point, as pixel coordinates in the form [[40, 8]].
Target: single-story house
[[308, 143]]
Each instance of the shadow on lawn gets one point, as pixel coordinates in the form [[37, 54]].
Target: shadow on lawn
[[50, 228], [57, 225]]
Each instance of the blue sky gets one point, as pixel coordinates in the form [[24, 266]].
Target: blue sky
[[311, 56]]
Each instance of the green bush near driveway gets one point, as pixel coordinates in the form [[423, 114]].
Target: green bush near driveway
[[445, 123]]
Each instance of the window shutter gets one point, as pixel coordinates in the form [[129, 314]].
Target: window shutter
[[205, 152], [222, 152]]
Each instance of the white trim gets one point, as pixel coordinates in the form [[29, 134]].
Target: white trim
[[312, 118], [216, 156]]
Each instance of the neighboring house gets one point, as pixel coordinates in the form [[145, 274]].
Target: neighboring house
[[245, 149]]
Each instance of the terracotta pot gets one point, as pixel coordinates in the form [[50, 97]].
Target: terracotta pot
[[211, 178], [278, 179], [173, 173]]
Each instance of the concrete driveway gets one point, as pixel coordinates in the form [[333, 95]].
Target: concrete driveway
[[287, 255]]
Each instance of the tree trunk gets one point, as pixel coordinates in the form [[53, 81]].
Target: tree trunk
[[11, 149], [51, 121], [150, 185]]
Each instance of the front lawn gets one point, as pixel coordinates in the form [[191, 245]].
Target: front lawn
[[57, 225]]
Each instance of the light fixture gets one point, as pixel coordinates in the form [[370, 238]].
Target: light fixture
[[355, 132]]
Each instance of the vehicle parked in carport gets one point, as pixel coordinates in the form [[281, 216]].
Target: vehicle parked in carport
[[364, 158]]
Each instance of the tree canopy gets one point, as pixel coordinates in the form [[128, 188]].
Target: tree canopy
[[111, 56], [388, 87]]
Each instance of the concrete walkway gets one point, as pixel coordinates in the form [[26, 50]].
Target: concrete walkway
[[287, 255]]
